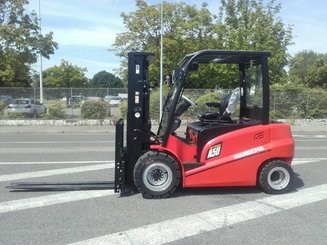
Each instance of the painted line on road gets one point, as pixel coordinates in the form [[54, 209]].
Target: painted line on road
[[44, 173], [312, 140], [311, 148], [48, 200], [56, 162], [56, 150], [58, 142], [195, 224], [309, 136], [105, 165], [298, 161]]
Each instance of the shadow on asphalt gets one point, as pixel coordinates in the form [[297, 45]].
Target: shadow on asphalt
[[297, 184], [105, 185]]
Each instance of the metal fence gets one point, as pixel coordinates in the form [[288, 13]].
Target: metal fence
[[284, 104]]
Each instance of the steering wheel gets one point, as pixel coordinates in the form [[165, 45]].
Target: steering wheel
[[188, 101]]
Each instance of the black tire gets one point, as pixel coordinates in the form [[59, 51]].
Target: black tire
[[276, 177], [156, 175]]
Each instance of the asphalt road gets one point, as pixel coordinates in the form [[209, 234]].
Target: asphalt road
[[192, 216]]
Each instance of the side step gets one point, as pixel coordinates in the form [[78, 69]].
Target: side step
[[64, 186]]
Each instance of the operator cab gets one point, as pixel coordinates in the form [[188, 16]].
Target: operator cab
[[249, 99]]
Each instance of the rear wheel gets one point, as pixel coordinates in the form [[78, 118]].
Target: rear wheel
[[156, 175], [276, 177]]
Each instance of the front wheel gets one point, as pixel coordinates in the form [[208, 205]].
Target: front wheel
[[276, 177], [156, 175]]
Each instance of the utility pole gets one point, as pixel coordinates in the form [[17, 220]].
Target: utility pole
[[41, 75], [161, 58]]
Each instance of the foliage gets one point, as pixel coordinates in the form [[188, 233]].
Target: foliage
[[65, 75], [186, 29], [241, 25], [16, 115], [94, 110], [297, 101], [250, 25], [207, 97], [154, 104], [104, 79], [56, 111], [123, 109], [20, 43], [2, 108], [316, 103], [309, 69]]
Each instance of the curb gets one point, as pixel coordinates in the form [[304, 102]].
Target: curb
[[107, 125], [67, 122]]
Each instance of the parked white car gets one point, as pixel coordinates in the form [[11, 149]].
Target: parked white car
[[30, 107], [113, 100]]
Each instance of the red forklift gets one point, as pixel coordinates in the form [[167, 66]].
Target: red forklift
[[216, 150]]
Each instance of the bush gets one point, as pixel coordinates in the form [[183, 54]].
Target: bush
[[154, 104], [56, 111], [196, 96], [94, 110], [155, 101], [208, 97], [123, 109], [298, 103], [316, 103], [2, 108], [16, 115]]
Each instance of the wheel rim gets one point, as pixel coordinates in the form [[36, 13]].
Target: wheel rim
[[157, 177], [278, 178]]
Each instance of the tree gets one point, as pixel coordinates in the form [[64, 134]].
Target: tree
[[65, 75], [240, 25], [309, 69], [20, 43], [104, 79], [251, 25], [186, 29], [317, 75]]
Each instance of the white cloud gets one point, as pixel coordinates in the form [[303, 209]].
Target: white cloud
[[97, 37]]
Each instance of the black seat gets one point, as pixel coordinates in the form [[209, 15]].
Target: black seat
[[213, 117]]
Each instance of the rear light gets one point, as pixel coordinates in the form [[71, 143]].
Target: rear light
[[28, 106], [191, 136]]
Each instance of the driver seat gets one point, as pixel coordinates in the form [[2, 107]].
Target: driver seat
[[215, 117]]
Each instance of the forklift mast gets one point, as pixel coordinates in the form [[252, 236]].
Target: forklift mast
[[138, 120]]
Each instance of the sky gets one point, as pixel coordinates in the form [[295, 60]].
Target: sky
[[85, 29]]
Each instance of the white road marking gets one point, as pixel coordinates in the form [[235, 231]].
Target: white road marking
[[179, 228], [56, 162], [56, 150], [298, 161], [311, 148], [309, 136], [10, 177], [58, 142], [298, 136], [105, 165], [48, 200]]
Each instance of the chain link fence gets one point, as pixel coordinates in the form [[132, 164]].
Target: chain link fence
[[284, 104]]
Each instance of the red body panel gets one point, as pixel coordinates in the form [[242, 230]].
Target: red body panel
[[241, 154]]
